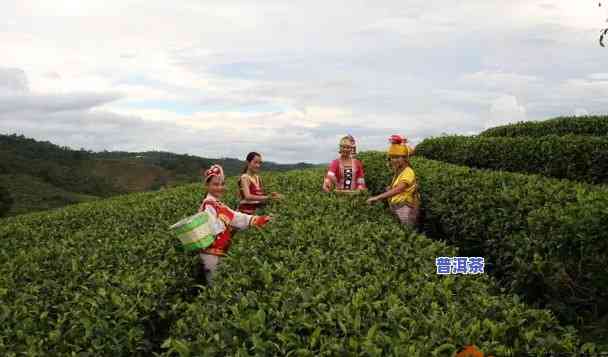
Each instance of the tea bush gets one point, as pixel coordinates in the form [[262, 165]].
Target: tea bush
[[334, 276], [571, 157], [329, 276], [587, 125], [544, 238], [92, 279]]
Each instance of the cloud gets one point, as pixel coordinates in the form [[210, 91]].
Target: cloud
[[598, 76], [80, 120], [505, 110], [53, 103], [13, 80], [220, 78], [497, 80]]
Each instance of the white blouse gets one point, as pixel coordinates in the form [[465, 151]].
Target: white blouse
[[240, 220]]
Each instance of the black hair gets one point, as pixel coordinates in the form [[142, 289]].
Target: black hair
[[252, 155]]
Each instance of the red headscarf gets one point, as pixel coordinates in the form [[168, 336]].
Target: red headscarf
[[214, 170]]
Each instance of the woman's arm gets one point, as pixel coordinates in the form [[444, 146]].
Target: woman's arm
[[390, 193], [247, 194], [243, 221], [330, 177]]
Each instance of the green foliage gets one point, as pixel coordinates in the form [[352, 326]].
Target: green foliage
[[334, 276], [586, 125], [30, 194], [98, 278], [6, 201], [68, 176], [581, 158], [329, 276], [543, 238]]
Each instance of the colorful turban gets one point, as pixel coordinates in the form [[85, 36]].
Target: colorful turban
[[214, 170], [399, 147]]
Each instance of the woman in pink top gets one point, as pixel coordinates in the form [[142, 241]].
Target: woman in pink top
[[345, 173]]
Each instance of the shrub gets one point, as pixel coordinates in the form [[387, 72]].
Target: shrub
[[568, 157], [333, 276], [543, 238], [330, 276], [6, 201], [587, 125]]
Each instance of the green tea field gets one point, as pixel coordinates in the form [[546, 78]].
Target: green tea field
[[330, 276]]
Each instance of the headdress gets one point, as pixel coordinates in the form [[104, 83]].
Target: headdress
[[214, 170], [398, 146]]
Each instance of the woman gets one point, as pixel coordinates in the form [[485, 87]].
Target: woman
[[225, 221], [345, 173], [251, 190], [403, 194]]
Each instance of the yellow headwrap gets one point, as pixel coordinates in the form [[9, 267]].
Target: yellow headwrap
[[399, 147]]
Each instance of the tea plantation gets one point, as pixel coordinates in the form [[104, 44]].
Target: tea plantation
[[330, 276], [546, 237]]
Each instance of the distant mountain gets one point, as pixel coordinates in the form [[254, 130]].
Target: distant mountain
[[39, 175]]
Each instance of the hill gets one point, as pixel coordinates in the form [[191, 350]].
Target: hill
[[102, 278], [40, 175]]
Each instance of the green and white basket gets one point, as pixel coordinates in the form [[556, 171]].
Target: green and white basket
[[194, 232]]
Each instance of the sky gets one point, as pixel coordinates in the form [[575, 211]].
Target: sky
[[289, 78]]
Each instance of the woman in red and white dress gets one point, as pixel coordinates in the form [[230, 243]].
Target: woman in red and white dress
[[345, 173], [251, 190], [226, 221]]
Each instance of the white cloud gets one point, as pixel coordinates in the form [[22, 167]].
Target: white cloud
[[598, 76], [13, 80], [290, 78], [505, 110], [499, 80]]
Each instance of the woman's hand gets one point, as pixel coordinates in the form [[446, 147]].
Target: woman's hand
[[326, 186], [372, 200], [260, 221], [276, 196]]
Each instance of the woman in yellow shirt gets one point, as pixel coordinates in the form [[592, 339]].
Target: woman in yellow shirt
[[402, 194]]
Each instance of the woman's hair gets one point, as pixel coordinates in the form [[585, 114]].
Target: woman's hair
[[252, 155]]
